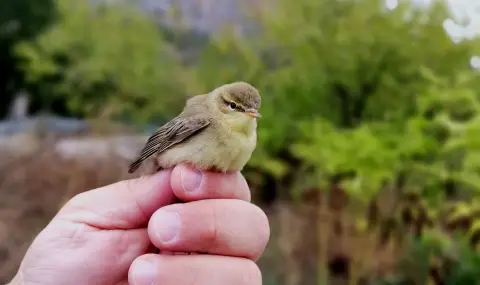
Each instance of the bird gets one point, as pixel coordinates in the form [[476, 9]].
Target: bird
[[216, 131]]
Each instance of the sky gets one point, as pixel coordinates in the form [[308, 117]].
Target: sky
[[463, 9]]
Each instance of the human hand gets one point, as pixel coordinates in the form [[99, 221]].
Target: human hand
[[105, 236]]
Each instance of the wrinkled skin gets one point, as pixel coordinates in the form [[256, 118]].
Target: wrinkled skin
[[112, 235]]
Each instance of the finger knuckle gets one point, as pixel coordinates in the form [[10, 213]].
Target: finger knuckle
[[210, 234]]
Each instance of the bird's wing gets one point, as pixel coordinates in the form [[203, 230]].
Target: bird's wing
[[170, 134]]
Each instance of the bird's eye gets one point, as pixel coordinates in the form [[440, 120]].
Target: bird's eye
[[233, 106]]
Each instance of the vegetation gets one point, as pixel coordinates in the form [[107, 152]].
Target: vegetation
[[355, 96]]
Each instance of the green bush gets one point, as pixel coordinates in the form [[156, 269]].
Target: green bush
[[105, 60], [348, 86]]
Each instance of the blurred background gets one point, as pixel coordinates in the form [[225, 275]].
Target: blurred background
[[368, 157]]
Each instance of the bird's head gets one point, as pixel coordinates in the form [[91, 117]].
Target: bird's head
[[238, 100], [238, 103]]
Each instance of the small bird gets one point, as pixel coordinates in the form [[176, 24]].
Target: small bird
[[216, 131]]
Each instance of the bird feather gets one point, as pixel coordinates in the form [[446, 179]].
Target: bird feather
[[172, 133]]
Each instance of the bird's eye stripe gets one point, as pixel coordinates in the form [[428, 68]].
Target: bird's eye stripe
[[234, 106]]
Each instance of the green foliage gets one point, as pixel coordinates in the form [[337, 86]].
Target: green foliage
[[105, 60], [454, 262], [348, 86], [19, 20]]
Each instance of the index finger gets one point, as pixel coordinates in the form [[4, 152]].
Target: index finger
[[189, 184]]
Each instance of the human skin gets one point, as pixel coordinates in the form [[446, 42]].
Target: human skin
[[110, 235]]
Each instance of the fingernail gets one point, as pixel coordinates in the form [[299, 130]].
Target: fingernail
[[191, 179], [167, 225], [144, 273]]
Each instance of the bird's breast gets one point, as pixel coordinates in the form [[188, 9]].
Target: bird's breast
[[216, 147]]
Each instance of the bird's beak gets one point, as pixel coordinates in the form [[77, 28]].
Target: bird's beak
[[253, 113]]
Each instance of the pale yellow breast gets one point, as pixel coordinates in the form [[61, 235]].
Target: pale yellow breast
[[218, 146]]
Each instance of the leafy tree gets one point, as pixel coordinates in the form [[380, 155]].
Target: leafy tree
[[349, 86], [19, 20], [107, 59]]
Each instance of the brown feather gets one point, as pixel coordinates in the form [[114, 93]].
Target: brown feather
[[172, 133]]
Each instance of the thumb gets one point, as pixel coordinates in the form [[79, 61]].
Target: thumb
[[126, 204]]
